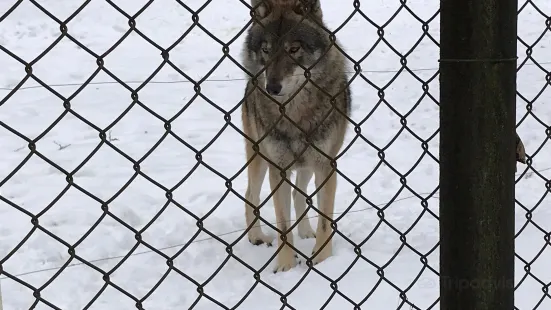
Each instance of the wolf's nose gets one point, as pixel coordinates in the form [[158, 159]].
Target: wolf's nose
[[273, 88]]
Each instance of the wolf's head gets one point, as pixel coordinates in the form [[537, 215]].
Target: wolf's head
[[284, 44]]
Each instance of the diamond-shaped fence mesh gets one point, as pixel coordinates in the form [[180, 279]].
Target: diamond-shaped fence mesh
[[127, 187]]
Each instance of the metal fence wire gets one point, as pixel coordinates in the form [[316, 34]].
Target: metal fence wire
[[403, 292]]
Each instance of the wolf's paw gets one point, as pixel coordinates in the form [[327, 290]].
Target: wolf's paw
[[285, 262], [305, 231], [259, 238]]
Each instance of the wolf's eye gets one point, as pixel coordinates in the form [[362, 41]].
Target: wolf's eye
[[294, 49], [265, 50]]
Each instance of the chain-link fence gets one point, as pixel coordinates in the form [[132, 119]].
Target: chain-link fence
[[126, 188]]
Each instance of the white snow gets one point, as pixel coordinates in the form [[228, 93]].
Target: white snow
[[142, 205]]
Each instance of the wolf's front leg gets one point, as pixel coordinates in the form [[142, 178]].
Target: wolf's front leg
[[326, 203], [282, 204], [256, 172]]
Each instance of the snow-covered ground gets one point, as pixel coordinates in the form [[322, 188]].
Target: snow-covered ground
[[40, 188]]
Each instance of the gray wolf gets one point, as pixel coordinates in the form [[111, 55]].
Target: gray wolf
[[306, 140]]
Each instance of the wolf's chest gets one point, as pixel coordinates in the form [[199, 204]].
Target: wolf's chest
[[286, 146]]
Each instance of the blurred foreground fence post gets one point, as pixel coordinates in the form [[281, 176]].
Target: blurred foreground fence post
[[477, 153]]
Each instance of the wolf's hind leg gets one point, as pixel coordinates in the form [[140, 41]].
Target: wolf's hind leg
[[304, 229]]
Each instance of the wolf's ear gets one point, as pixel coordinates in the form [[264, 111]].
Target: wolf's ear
[[262, 8], [300, 7], [303, 7]]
